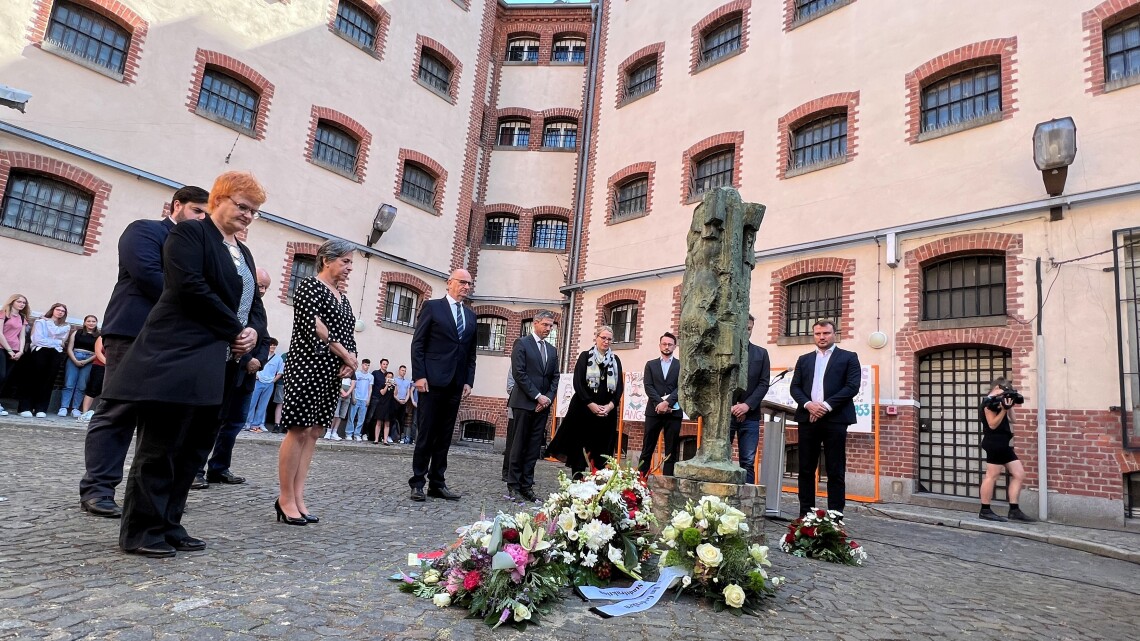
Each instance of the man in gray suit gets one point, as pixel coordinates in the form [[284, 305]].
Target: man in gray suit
[[534, 365]]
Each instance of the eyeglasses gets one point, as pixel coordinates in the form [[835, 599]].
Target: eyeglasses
[[252, 212], [465, 283]]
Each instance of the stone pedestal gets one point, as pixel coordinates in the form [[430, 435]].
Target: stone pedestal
[[672, 493]]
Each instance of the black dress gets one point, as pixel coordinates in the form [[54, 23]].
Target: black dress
[[311, 371], [996, 442], [582, 431]]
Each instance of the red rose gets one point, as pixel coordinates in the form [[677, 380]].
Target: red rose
[[631, 498], [821, 513], [471, 581], [788, 538], [808, 531], [854, 545], [511, 535], [604, 517]]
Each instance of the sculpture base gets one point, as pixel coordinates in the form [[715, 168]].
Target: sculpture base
[[672, 493], [720, 472]]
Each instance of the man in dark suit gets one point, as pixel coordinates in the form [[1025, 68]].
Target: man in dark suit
[[443, 367], [136, 291], [824, 385], [534, 366], [746, 414], [662, 412]]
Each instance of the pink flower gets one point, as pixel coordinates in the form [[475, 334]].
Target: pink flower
[[520, 556]]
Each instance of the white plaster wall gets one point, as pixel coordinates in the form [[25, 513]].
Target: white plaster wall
[[541, 87], [531, 178]]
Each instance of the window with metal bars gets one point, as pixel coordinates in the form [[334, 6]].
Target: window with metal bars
[[478, 432], [623, 320], [1122, 50], [229, 99], [641, 79], [514, 133], [335, 147], [811, 299], [501, 231], [962, 97], [528, 329], [46, 207], [434, 72], [303, 267], [418, 185], [808, 8], [632, 197], [560, 135], [819, 141], [401, 304], [720, 41], [714, 170], [490, 333], [549, 233], [522, 50], [356, 24], [964, 287], [569, 50], [88, 35]]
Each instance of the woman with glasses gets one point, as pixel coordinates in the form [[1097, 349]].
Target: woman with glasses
[[588, 433]]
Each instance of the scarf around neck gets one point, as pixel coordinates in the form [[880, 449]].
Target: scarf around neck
[[594, 366]]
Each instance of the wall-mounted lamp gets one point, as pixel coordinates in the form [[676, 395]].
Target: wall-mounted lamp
[[877, 340], [14, 98], [1054, 149], [385, 216]]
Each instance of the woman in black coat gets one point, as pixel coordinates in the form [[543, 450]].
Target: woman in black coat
[[590, 426], [176, 371]]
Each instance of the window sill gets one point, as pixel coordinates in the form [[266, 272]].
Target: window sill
[[795, 340], [520, 63], [964, 323], [36, 239], [629, 99], [343, 36], [399, 327], [798, 22], [716, 61], [1122, 83], [442, 95], [418, 205], [548, 250], [487, 351], [225, 123], [511, 147], [961, 126], [629, 345], [509, 248], [567, 63], [617, 220], [569, 150], [67, 54], [336, 170], [807, 169]]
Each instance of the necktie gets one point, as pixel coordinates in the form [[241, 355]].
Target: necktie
[[459, 318], [542, 350]]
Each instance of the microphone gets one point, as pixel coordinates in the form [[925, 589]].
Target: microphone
[[781, 375]]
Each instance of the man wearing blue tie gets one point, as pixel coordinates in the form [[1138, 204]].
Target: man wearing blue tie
[[824, 387], [443, 367], [534, 366]]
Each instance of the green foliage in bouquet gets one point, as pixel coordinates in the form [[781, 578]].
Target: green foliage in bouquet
[[820, 534]]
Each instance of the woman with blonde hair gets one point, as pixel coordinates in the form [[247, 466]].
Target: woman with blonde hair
[[14, 322], [48, 337]]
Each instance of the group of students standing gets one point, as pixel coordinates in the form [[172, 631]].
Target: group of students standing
[[373, 406]]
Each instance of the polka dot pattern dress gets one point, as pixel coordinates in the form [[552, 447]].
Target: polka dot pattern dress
[[311, 381]]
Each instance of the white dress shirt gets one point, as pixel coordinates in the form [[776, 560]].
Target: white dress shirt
[[822, 358]]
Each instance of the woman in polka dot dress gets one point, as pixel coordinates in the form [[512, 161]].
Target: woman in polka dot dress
[[321, 352]]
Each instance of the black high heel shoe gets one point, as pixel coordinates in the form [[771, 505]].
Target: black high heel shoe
[[281, 516], [310, 518]]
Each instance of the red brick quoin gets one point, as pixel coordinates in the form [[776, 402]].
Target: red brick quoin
[[429, 165], [822, 266], [353, 128], [820, 107], [1103, 16], [204, 59], [635, 60], [446, 57], [707, 147], [615, 298], [293, 249], [731, 11], [623, 175], [113, 10], [419, 285], [97, 188], [372, 9]]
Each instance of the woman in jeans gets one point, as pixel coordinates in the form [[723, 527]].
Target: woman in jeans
[[80, 355], [14, 322], [48, 337]]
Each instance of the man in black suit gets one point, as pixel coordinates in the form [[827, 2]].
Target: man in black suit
[[534, 366], [746, 414], [443, 367], [824, 385], [136, 291], [662, 413]]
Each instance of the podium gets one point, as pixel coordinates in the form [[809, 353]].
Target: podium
[[776, 417]]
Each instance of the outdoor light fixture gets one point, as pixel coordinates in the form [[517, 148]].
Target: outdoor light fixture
[[877, 340], [385, 216], [14, 98], [1054, 148]]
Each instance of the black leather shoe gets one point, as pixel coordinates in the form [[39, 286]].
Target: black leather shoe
[[104, 506], [442, 492], [188, 544], [200, 483], [512, 493], [528, 495], [418, 494], [309, 518], [157, 551], [225, 476]]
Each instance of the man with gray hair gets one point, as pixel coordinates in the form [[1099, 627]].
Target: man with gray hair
[[534, 366]]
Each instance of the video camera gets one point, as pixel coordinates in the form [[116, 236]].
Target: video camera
[[995, 403]]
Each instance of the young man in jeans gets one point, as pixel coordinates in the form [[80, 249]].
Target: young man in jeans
[[360, 395]]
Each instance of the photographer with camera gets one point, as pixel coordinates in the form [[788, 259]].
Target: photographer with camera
[[996, 442]]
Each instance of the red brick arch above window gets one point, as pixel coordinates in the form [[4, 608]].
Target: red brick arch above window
[[623, 176], [414, 283], [445, 56], [788, 274], [354, 128], [713, 144], [526, 217], [1095, 21], [499, 116], [835, 103], [618, 297], [655, 51], [204, 59], [374, 10], [99, 189], [736, 9], [115, 11], [429, 165], [293, 249], [1000, 50]]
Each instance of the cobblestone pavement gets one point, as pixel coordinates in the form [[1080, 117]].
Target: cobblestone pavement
[[62, 577]]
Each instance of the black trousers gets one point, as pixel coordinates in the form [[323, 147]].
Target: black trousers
[[38, 377], [833, 438], [530, 432], [174, 441], [234, 412], [109, 433], [507, 450], [655, 425], [438, 409]]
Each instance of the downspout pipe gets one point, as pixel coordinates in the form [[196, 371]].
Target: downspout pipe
[[1042, 450]]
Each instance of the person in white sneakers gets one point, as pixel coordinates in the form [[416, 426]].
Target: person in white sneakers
[[14, 322], [343, 404], [48, 337], [360, 395]]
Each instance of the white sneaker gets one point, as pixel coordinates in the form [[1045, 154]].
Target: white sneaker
[[26, 414], [336, 437], [86, 416], [76, 413], [388, 440], [41, 415], [359, 437], [3, 412], [328, 435], [62, 411]]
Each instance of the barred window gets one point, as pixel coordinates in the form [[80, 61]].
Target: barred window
[[964, 287], [549, 233], [569, 50], [303, 267], [641, 79], [89, 35], [623, 319], [418, 185], [501, 231], [522, 50], [46, 207], [811, 299], [490, 333], [714, 170], [721, 41], [632, 197], [355, 23], [478, 432], [1122, 50], [528, 329], [560, 135], [962, 97], [808, 8], [335, 147], [514, 133], [228, 98], [434, 72], [819, 141], [401, 304]]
